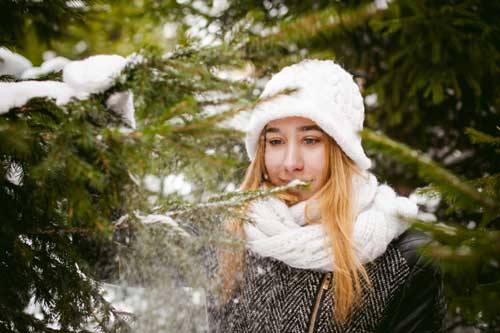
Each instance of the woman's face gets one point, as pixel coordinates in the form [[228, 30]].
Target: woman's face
[[296, 149]]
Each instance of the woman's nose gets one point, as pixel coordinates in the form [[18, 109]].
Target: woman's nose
[[293, 159]]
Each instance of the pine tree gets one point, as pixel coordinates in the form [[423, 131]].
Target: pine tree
[[77, 182], [466, 235]]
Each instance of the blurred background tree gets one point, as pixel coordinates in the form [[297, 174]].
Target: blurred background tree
[[428, 70]]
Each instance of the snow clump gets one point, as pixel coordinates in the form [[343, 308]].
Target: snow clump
[[81, 78], [53, 65], [16, 94], [122, 103], [12, 63], [94, 74]]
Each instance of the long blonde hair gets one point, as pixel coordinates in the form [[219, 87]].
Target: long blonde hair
[[337, 218]]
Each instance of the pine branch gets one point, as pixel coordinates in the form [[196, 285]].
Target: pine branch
[[234, 199], [212, 120], [479, 137], [305, 29], [430, 170], [488, 185]]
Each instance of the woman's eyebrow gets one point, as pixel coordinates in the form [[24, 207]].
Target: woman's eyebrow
[[310, 128], [272, 130], [301, 128]]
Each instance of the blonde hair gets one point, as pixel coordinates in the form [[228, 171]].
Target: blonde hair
[[337, 218]]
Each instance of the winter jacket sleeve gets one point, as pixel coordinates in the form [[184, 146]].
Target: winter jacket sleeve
[[419, 306]]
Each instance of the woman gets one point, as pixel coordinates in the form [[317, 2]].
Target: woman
[[334, 256]]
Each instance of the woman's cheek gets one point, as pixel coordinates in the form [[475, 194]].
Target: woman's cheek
[[316, 161], [317, 153], [273, 161]]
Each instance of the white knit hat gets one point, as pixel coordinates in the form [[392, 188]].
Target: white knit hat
[[326, 94]]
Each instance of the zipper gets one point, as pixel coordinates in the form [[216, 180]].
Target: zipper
[[324, 286]]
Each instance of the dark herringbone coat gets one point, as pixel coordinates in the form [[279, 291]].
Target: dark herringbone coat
[[406, 296]]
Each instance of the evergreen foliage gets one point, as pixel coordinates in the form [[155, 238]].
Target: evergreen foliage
[[71, 173], [466, 235], [48, 20], [31, 26], [76, 183]]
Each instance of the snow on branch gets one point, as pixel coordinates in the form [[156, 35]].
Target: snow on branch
[[80, 78], [16, 94], [12, 63], [94, 74], [53, 65]]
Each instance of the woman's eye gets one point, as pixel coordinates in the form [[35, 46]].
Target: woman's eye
[[274, 142], [311, 141]]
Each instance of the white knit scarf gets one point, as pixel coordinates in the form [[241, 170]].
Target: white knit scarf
[[281, 232]]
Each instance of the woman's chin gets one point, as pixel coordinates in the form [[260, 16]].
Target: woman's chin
[[300, 195]]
